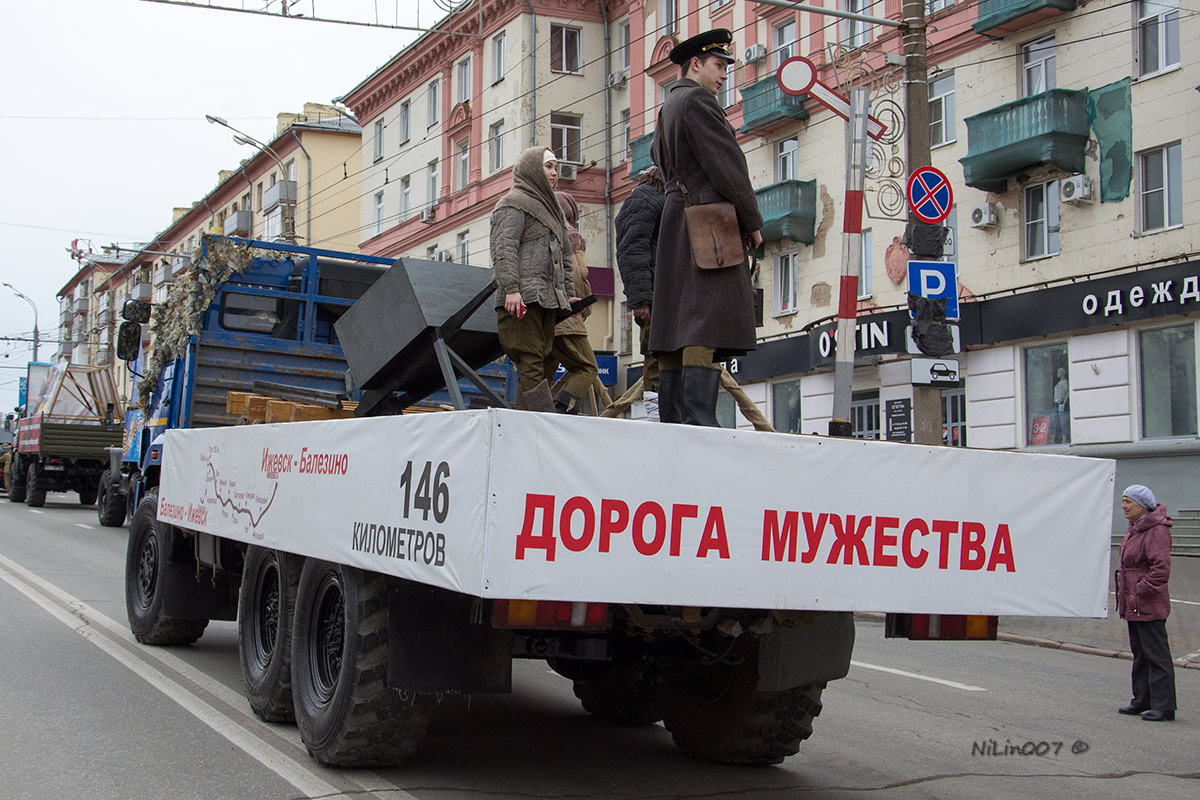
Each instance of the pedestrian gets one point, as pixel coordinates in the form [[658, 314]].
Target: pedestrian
[[700, 316], [571, 347], [637, 247], [1143, 602], [532, 265]]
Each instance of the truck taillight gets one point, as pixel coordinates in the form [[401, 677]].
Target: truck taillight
[[550, 614], [943, 627]]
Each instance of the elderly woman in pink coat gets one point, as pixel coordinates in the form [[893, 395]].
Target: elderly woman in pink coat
[[1143, 602]]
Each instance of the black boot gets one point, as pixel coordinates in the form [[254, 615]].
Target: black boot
[[670, 404], [699, 395], [567, 403]]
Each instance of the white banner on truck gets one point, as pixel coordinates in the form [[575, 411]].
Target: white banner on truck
[[506, 504]]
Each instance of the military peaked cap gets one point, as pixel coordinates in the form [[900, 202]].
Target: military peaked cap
[[716, 41]]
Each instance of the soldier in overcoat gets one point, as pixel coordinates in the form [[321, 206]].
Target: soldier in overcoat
[[701, 317]]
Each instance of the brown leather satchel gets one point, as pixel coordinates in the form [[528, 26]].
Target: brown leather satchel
[[714, 234]]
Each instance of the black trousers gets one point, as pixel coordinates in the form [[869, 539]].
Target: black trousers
[[1153, 671]]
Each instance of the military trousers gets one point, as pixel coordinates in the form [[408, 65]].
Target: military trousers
[[574, 352], [527, 342], [650, 365]]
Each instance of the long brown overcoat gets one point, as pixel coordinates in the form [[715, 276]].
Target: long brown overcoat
[[710, 308]]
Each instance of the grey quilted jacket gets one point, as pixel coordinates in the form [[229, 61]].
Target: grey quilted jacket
[[526, 258]]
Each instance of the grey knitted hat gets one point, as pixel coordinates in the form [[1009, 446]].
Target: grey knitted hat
[[1140, 495]]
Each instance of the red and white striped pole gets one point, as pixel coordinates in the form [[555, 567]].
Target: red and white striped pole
[[856, 167]]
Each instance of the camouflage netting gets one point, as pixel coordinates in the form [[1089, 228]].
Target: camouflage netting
[[182, 315]]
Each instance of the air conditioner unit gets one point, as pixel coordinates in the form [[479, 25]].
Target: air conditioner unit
[[567, 172], [755, 52], [984, 216], [426, 215], [1075, 189], [445, 255], [616, 80]]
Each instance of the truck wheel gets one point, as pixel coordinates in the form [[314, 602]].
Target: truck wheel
[[144, 560], [87, 495], [346, 713], [265, 610], [16, 486], [34, 496], [715, 712], [627, 695], [110, 504]]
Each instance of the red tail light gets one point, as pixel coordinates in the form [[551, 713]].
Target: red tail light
[[550, 615], [941, 627]]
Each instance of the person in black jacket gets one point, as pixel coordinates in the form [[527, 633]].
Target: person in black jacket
[[637, 244]]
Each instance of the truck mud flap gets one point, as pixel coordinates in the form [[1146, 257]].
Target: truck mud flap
[[815, 653], [188, 597]]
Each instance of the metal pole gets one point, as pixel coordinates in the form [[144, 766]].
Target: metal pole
[[856, 167], [32, 305], [832, 12]]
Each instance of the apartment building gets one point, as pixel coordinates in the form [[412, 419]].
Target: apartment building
[[86, 332]]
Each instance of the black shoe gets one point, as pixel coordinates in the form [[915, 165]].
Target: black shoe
[[567, 403], [699, 394], [670, 405], [1132, 709], [1155, 715]]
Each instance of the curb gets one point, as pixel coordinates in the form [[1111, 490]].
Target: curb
[[1052, 644]]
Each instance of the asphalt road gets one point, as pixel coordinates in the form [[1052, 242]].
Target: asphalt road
[[89, 713]]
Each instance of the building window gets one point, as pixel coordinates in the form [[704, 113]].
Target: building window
[[783, 42], [378, 139], [464, 80], [1047, 395], [1162, 188], [565, 53], [668, 16], [626, 342], [785, 406], [720, 4], [1038, 67], [405, 117], [726, 411], [273, 223], [625, 42], [433, 183], [378, 213], [1041, 220], [786, 157], [462, 165], [864, 415], [434, 98], [864, 266], [498, 57], [855, 33], [496, 137], [941, 110], [787, 279], [566, 134], [464, 247], [934, 6], [258, 191], [1168, 367], [245, 207], [1158, 35], [664, 89], [289, 169], [405, 197], [625, 133], [727, 96], [431, 252], [954, 417]]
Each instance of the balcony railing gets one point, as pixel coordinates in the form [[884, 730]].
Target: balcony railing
[[765, 105], [789, 211], [1000, 17], [639, 153], [281, 192], [141, 291], [178, 263], [1047, 128], [81, 304], [237, 224]]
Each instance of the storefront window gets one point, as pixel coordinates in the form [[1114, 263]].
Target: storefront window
[[785, 407], [954, 417], [1047, 395], [864, 415], [726, 410], [1168, 359]]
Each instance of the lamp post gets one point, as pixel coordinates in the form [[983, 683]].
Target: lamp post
[[32, 305], [289, 227]]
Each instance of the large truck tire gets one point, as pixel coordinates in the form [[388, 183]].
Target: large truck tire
[[16, 485], [627, 695], [145, 559], [35, 497], [346, 713], [89, 493], [266, 606], [716, 712], [110, 504]]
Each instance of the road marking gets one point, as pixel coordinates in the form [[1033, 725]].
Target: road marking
[[295, 772], [85, 527], [966, 687], [36, 511]]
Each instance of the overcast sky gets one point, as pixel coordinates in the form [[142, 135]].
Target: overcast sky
[[103, 130]]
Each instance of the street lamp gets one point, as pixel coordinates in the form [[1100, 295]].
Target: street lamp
[[32, 305], [245, 138]]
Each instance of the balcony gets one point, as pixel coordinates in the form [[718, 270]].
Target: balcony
[[104, 355], [1001, 17], [237, 224], [639, 154], [79, 354], [141, 291], [789, 210], [163, 274], [68, 314], [765, 105], [281, 192], [178, 263], [65, 334], [104, 316], [81, 304], [1047, 128]]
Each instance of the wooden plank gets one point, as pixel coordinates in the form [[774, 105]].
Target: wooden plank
[[256, 407], [279, 410], [307, 413], [237, 403]]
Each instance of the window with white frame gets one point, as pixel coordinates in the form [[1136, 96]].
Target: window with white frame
[[727, 96], [463, 246], [787, 153], [433, 96], [1158, 35], [934, 6], [496, 138], [566, 135], [855, 33], [405, 197], [625, 133], [431, 252], [405, 121], [783, 41], [273, 223], [462, 164], [565, 51], [668, 16], [625, 42], [625, 344], [865, 261], [787, 281], [463, 76], [433, 185], [1037, 66], [289, 169], [664, 89], [864, 415], [941, 110], [1168, 377], [378, 213], [498, 42], [378, 138], [1041, 220], [1161, 185]]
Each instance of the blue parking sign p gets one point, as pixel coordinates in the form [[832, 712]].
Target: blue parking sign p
[[933, 280]]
